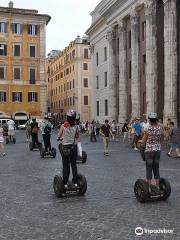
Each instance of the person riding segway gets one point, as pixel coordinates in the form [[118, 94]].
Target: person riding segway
[[11, 132], [34, 135], [69, 133], [151, 151], [46, 130]]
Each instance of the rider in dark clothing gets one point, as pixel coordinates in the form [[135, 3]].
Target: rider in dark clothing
[[34, 132]]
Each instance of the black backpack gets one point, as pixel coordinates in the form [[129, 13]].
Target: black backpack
[[47, 129]]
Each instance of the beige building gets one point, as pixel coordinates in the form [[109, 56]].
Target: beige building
[[69, 80], [23, 90], [135, 47]]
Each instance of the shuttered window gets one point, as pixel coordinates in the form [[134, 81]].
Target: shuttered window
[[17, 96], [32, 96], [32, 74], [32, 29], [17, 50], [2, 96], [3, 49], [17, 73], [32, 51], [3, 27], [2, 72], [17, 28]]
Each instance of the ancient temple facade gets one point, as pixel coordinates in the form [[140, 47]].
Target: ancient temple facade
[[135, 47]]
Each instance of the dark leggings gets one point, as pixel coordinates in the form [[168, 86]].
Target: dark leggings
[[47, 141], [67, 161], [152, 164], [35, 141]]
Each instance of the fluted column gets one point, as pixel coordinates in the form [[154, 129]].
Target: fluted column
[[135, 80], [170, 48], [111, 36], [123, 97], [151, 55]]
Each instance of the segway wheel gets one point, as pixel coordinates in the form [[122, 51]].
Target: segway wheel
[[42, 152], [84, 157], [14, 140], [7, 140], [53, 152], [141, 190], [82, 184], [165, 187], [58, 186], [30, 146]]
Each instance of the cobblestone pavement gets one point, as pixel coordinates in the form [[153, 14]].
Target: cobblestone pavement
[[29, 209]]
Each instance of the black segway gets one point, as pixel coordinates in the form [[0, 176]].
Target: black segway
[[36, 147], [82, 159], [10, 139], [60, 190], [51, 153], [142, 193]]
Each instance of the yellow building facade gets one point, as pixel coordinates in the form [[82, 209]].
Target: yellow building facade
[[23, 89], [69, 80]]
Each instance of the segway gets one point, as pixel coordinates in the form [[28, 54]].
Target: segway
[[36, 147], [51, 153], [10, 139], [82, 159], [142, 193], [60, 190]]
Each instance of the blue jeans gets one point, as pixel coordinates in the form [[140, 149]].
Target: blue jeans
[[152, 164]]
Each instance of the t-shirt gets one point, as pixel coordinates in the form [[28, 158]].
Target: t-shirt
[[113, 126], [10, 124], [34, 127], [125, 127], [106, 130], [137, 127]]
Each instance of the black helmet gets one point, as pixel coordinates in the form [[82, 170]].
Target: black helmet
[[71, 114]]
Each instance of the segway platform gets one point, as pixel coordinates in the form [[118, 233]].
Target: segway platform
[[37, 147], [79, 188], [142, 193], [51, 153]]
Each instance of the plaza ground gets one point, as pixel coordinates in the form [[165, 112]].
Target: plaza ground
[[29, 209]]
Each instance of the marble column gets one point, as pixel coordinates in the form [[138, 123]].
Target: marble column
[[123, 97], [112, 108], [135, 79], [151, 55], [170, 48]]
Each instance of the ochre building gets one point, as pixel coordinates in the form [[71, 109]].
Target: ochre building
[[23, 90], [69, 81]]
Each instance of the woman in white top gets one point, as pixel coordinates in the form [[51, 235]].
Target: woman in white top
[[2, 150]]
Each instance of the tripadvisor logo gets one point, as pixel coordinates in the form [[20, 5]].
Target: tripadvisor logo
[[139, 231]]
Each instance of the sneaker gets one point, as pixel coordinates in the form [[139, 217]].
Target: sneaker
[[107, 154], [168, 154], [135, 148], [65, 186], [4, 154]]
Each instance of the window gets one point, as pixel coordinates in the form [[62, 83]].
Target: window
[[32, 51], [85, 82], [97, 82], [106, 107], [85, 100], [73, 54], [105, 54], [17, 96], [17, 28], [17, 50], [3, 27], [3, 49], [85, 66], [32, 29], [70, 101], [70, 85], [144, 64], [67, 71], [97, 106], [129, 69], [129, 38], [97, 59], [73, 83], [73, 100], [32, 74], [86, 55], [32, 97], [105, 79], [143, 30], [61, 74], [2, 96], [17, 73], [2, 72]]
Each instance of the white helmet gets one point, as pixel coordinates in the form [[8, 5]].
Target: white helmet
[[152, 115]]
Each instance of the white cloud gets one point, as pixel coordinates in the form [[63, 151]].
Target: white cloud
[[69, 18]]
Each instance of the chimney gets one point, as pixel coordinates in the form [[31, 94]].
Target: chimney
[[11, 4]]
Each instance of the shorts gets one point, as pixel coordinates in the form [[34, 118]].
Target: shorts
[[174, 145], [1, 139], [11, 132]]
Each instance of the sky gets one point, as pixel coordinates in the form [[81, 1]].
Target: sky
[[69, 18]]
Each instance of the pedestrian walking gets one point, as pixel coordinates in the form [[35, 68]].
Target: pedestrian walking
[[114, 130], [46, 130], [105, 131], [34, 132], [137, 133], [174, 140], [92, 132], [98, 126], [125, 131], [28, 130], [152, 140], [2, 149]]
